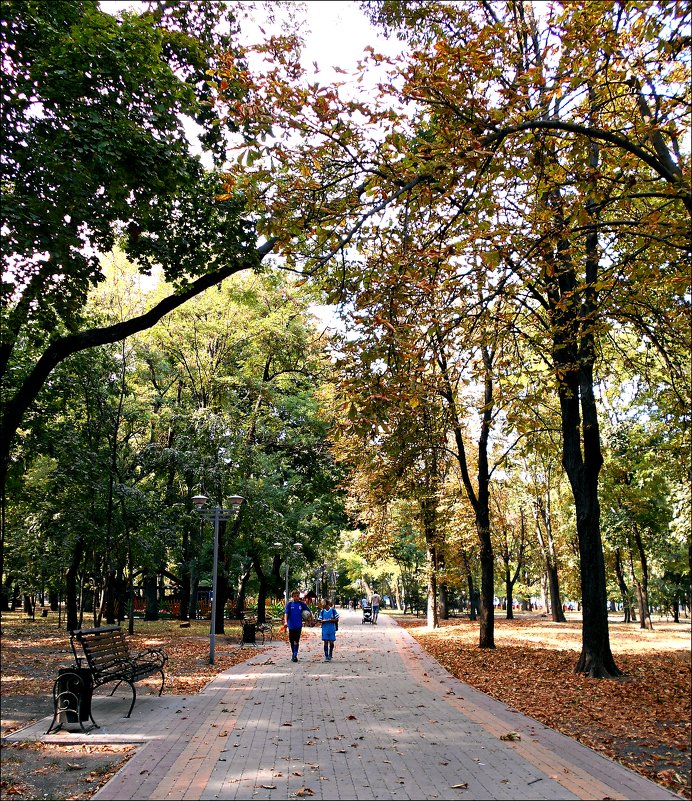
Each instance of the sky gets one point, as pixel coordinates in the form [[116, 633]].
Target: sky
[[336, 34], [337, 30]]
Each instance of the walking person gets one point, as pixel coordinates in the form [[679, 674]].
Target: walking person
[[375, 603], [329, 618], [293, 621]]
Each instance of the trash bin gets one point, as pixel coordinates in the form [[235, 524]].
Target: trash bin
[[249, 633], [72, 692]]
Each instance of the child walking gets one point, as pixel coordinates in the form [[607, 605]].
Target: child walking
[[328, 617], [293, 621]]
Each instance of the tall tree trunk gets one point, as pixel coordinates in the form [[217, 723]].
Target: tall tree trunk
[[193, 565], [185, 594], [443, 602], [240, 596], [131, 587], [479, 497], [151, 596], [624, 592], [6, 596], [442, 593], [472, 596], [596, 659], [428, 519], [432, 619], [278, 579], [509, 592], [71, 590], [572, 319], [222, 592], [547, 544], [643, 584], [557, 613], [487, 605], [107, 600], [262, 589]]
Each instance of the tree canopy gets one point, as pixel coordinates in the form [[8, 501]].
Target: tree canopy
[[502, 223]]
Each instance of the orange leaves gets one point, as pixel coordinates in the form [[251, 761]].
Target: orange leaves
[[642, 720]]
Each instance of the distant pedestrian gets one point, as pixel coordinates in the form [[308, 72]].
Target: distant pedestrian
[[294, 614], [329, 618], [375, 603]]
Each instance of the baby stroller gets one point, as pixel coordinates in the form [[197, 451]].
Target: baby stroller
[[367, 614]]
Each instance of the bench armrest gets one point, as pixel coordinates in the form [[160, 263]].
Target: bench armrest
[[157, 655]]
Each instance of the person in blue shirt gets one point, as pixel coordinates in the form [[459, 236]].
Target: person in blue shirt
[[293, 621], [328, 617]]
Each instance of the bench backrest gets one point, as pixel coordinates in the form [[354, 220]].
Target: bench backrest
[[105, 648]]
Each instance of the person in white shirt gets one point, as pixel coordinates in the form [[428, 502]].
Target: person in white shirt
[[375, 603]]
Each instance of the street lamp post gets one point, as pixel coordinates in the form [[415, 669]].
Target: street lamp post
[[217, 514]]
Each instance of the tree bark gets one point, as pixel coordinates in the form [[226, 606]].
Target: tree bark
[[573, 314], [151, 596], [557, 613], [262, 589], [71, 591], [428, 518], [643, 584], [240, 596], [472, 595], [547, 544], [624, 592], [479, 497], [509, 589], [185, 576]]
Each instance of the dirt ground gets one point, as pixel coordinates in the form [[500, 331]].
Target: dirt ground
[[32, 652], [641, 720]]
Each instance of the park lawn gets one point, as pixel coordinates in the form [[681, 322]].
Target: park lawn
[[641, 720], [32, 650]]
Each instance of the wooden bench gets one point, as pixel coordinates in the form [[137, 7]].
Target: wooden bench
[[265, 629], [109, 659]]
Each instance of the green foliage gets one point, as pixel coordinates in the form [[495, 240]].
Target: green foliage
[[95, 151], [276, 611]]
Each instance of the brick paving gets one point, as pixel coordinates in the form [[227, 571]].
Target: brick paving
[[383, 720]]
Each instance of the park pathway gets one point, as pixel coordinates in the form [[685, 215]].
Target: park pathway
[[383, 720]]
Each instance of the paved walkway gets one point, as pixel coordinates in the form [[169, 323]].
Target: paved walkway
[[383, 720]]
